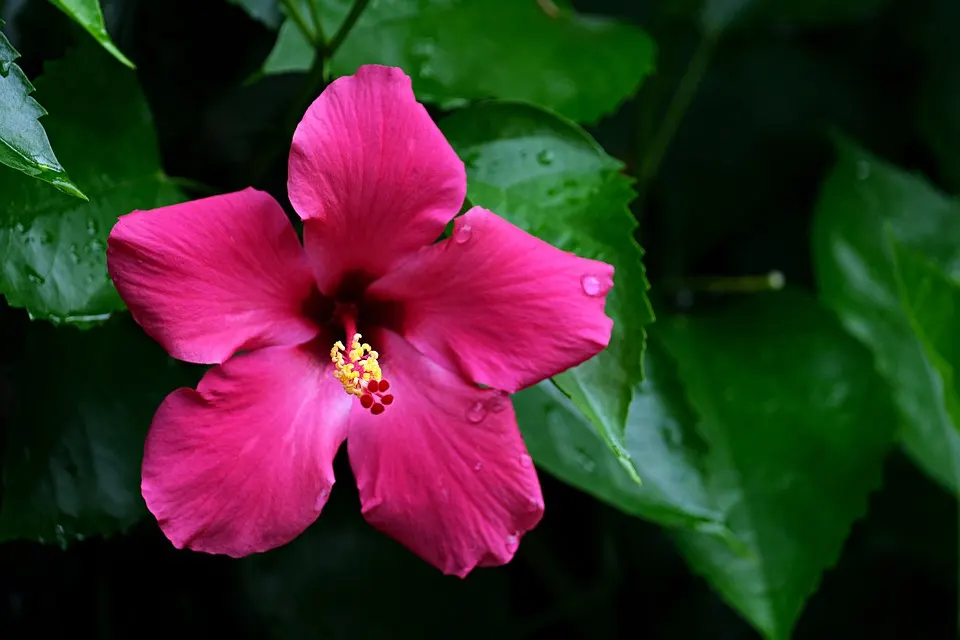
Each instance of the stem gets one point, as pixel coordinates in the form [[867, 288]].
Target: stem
[[773, 281], [315, 14], [312, 86], [679, 104], [355, 11], [294, 12]]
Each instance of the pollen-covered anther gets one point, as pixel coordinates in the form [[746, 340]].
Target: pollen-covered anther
[[358, 370]]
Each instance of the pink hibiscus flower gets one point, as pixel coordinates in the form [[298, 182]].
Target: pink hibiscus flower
[[244, 462]]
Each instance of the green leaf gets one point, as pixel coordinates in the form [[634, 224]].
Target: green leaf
[[932, 301], [660, 437], [55, 261], [797, 425], [88, 15], [456, 50], [867, 207], [23, 142], [71, 465], [293, 51], [547, 176], [266, 11]]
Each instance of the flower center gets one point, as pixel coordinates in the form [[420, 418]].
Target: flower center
[[359, 373]]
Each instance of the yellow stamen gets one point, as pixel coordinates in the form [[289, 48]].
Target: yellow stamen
[[355, 367]]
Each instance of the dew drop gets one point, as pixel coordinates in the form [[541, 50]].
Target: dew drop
[[478, 466], [545, 157], [61, 536], [512, 543], [498, 401], [477, 412], [35, 278], [593, 286], [534, 505], [525, 461], [19, 228], [462, 234], [74, 254], [322, 498], [585, 461], [91, 227]]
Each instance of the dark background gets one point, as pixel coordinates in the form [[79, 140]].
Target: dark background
[[733, 195]]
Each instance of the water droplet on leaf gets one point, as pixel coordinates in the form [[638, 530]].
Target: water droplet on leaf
[[477, 412], [586, 462], [545, 157], [36, 278], [61, 536]]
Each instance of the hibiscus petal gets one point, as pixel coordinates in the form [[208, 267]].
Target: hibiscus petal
[[244, 463], [503, 307], [444, 469], [213, 276], [371, 174]]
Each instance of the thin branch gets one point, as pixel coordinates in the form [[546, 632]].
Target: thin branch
[[355, 11], [679, 104], [315, 13], [293, 11]]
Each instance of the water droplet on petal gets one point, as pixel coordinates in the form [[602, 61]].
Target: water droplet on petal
[[462, 234], [593, 286], [498, 401], [512, 543], [534, 505], [525, 461], [322, 498], [478, 466], [477, 412], [545, 157]]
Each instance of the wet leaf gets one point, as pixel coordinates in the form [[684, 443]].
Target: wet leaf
[[888, 262], [547, 176], [55, 262], [23, 142]]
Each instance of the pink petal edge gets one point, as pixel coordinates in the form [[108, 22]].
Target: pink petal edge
[[210, 277], [501, 306], [371, 175], [244, 463], [444, 470]]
